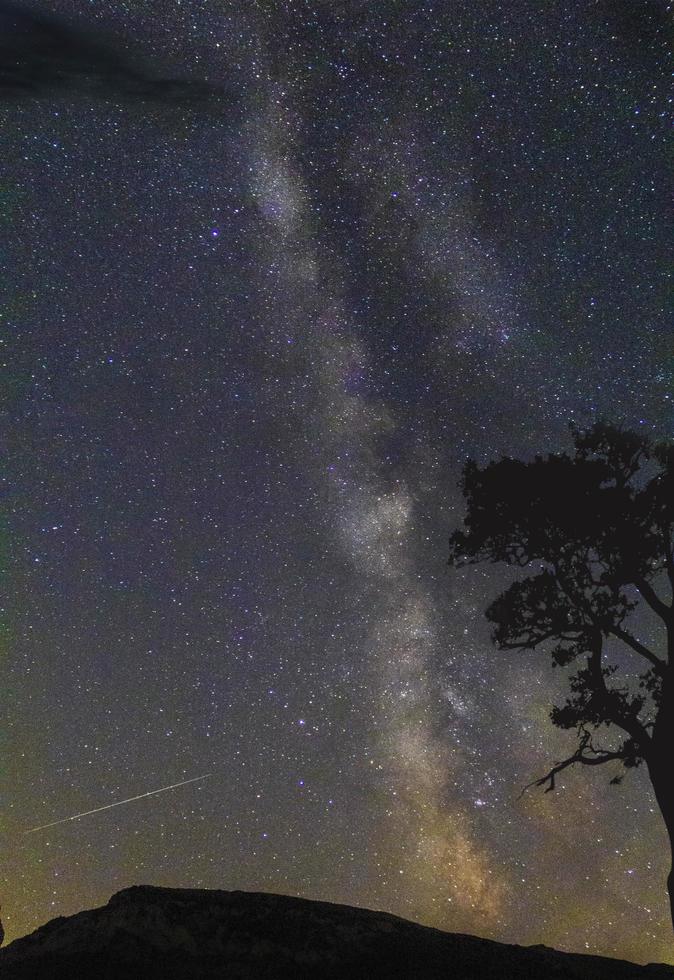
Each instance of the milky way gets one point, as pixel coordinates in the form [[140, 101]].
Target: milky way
[[263, 295]]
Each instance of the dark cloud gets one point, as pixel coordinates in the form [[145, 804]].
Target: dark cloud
[[40, 55]]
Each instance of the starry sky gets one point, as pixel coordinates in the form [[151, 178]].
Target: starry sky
[[271, 273]]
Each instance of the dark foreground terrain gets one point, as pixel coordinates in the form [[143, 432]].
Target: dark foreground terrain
[[147, 933]]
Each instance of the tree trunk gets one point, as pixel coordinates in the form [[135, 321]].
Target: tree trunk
[[662, 777], [660, 758]]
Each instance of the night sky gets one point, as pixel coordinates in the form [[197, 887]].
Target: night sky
[[271, 272]]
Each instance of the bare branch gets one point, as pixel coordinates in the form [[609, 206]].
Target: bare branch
[[597, 758], [653, 599], [638, 647]]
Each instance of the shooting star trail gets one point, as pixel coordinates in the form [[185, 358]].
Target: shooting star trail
[[109, 806]]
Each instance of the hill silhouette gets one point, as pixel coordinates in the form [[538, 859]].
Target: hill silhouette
[[149, 933]]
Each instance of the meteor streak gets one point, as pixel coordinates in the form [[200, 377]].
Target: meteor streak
[[108, 806]]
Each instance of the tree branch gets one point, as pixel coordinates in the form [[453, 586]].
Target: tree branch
[[638, 647], [653, 599], [529, 644], [669, 556], [573, 600], [598, 758], [629, 723]]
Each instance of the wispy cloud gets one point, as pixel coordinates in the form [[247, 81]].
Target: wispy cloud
[[41, 56]]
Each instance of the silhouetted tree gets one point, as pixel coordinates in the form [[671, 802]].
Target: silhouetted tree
[[594, 531]]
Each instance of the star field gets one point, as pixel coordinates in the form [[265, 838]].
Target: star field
[[253, 324]]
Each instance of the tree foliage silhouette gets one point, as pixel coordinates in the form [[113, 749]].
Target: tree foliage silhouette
[[594, 532]]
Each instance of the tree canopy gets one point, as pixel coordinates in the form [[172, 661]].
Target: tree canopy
[[594, 532], [590, 534]]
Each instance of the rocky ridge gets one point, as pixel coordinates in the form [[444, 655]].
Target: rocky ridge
[[148, 933]]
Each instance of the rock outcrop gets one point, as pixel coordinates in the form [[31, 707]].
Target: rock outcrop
[[148, 933]]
